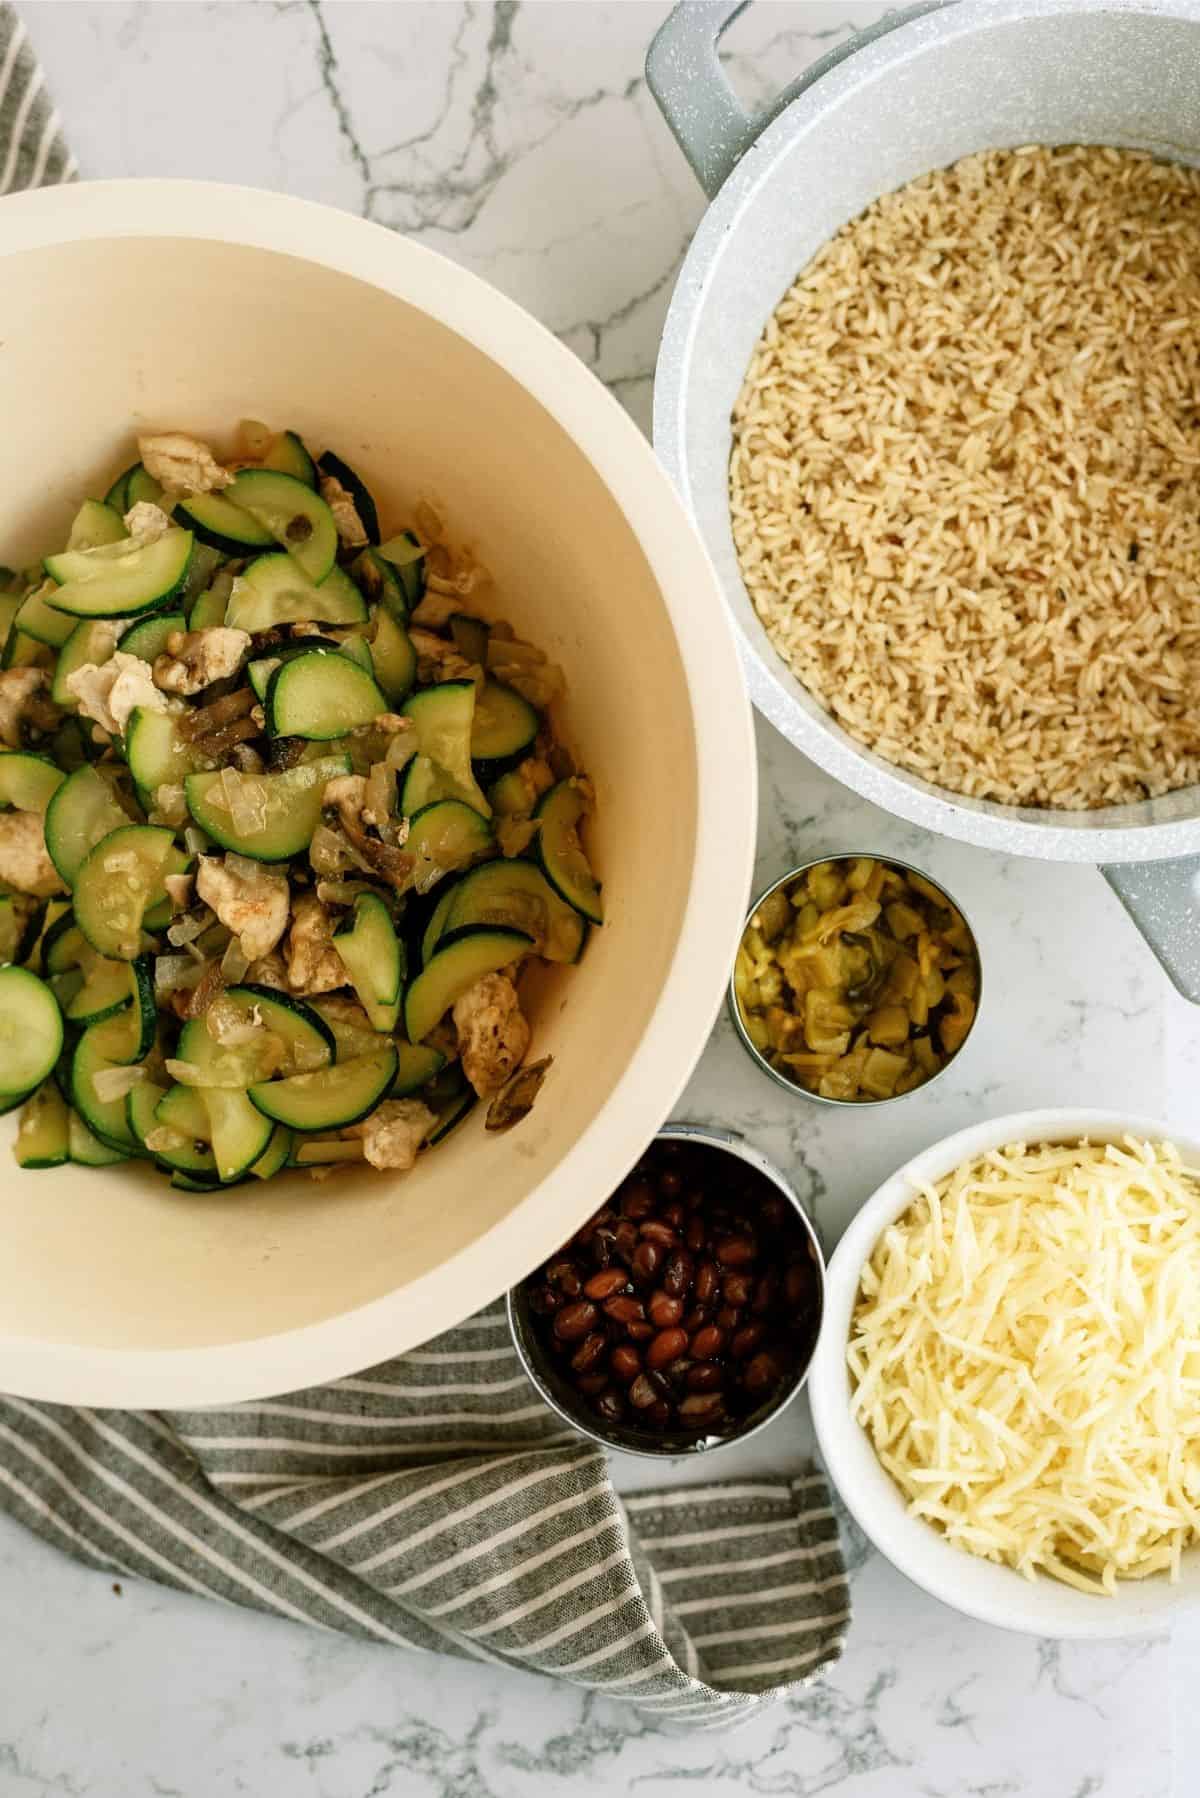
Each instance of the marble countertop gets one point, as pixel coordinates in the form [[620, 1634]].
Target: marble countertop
[[520, 140]]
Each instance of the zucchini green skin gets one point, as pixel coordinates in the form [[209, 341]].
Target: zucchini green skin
[[364, 505], [81, 812], [150, 1108], [217, 522], [444, 718], [288, 456], [42, 1133], [331, 1099], [111, 899], [89, 644], [451, 1115], [148, 638], [86, 1149], [393, 657], [209, 608], [40, 621], [117, 495], [155, 753], [275, 590], [405, 554], [455, 966], [560, 853], [101, 1046], [240, 1132], [120, 583], [381, 584], [142, 486], [449, 834], [416, 1065], [304, 1031], [437, 919], [28, 782], [517, 894], [107, 990], [373, 956], [293, 513], [321, 695], [503, 732], [276, 1154], [296, 799], [96, 523], [31, 1032]]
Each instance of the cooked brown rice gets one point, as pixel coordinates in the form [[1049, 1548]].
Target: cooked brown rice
[[965, 478]]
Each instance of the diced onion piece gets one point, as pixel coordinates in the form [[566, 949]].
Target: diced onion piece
[[115, 1083]]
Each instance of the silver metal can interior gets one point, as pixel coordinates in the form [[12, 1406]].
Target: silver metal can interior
[[560, 1397], [792, 1086]]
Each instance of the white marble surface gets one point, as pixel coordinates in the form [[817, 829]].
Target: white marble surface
[[520, 140]]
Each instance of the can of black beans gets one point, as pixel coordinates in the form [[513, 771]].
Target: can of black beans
[[682, 1317]]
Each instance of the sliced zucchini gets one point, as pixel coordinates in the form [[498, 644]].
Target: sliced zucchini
[[374, 959], [444, 717], [210, 607], [102, 1046], [325, 1151], [40, 621], [24, 651], [460, 961], [31, 1031], [471, 640], [275, 1155], [141, 1111], [122, 579], [289, 804], [117, 497], [275, 590], [393, 657], [332, 1098], [156, 753], [407, 557], [120, 881], [356, 649], [96, 523], [504, 729], [91, 643], [183, 1113], [424, 783], [42, 1131], [560, 851], [142, 487], [364, 505], [82, 811], [293, 513], [240, 1133], [259, 674], [202, 570], [308, 1042], [518, 895], [288, 455], [63, 945], [381, 583], [108, 987], [86, 1149], [321, 695], [416, 1064], [20, 926], [27, 782], [148, 637], [351, 1037], [437, 920], [446, 836], [452, 1113], [48, 915], [219, 524]]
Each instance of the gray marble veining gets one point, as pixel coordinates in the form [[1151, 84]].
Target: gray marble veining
[[520, 140]]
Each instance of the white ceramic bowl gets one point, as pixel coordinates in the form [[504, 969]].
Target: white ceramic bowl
[[978, 1588], [131, 305]]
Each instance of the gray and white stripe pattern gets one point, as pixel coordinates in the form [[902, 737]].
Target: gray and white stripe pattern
[[435, 1503], [33, 151]]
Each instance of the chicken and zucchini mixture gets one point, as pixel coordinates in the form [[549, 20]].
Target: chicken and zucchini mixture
[[857, 979], [283, 821]]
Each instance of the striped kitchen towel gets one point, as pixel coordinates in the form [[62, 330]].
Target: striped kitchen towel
[[33, 151], [435, 1503]]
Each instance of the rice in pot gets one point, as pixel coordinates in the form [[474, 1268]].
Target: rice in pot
[[964, 479]]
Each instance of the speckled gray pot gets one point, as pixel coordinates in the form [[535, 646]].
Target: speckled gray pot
[[917, 91]]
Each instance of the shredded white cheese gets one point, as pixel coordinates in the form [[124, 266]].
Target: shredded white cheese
[[1025, 1353]]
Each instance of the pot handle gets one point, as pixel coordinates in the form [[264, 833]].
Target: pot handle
[[1163, 899], [708, 121]]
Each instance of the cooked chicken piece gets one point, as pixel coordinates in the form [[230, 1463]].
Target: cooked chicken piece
[[250, 899], [349, 793], [270, 971], [493, 1033], [109, 692], [394, 1132], [438, 659], [434, 610], [147, 521], [350, 527], [24, 862], [537, 775], [17, 688], [182, 464], [195, 659], [313, 964]]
